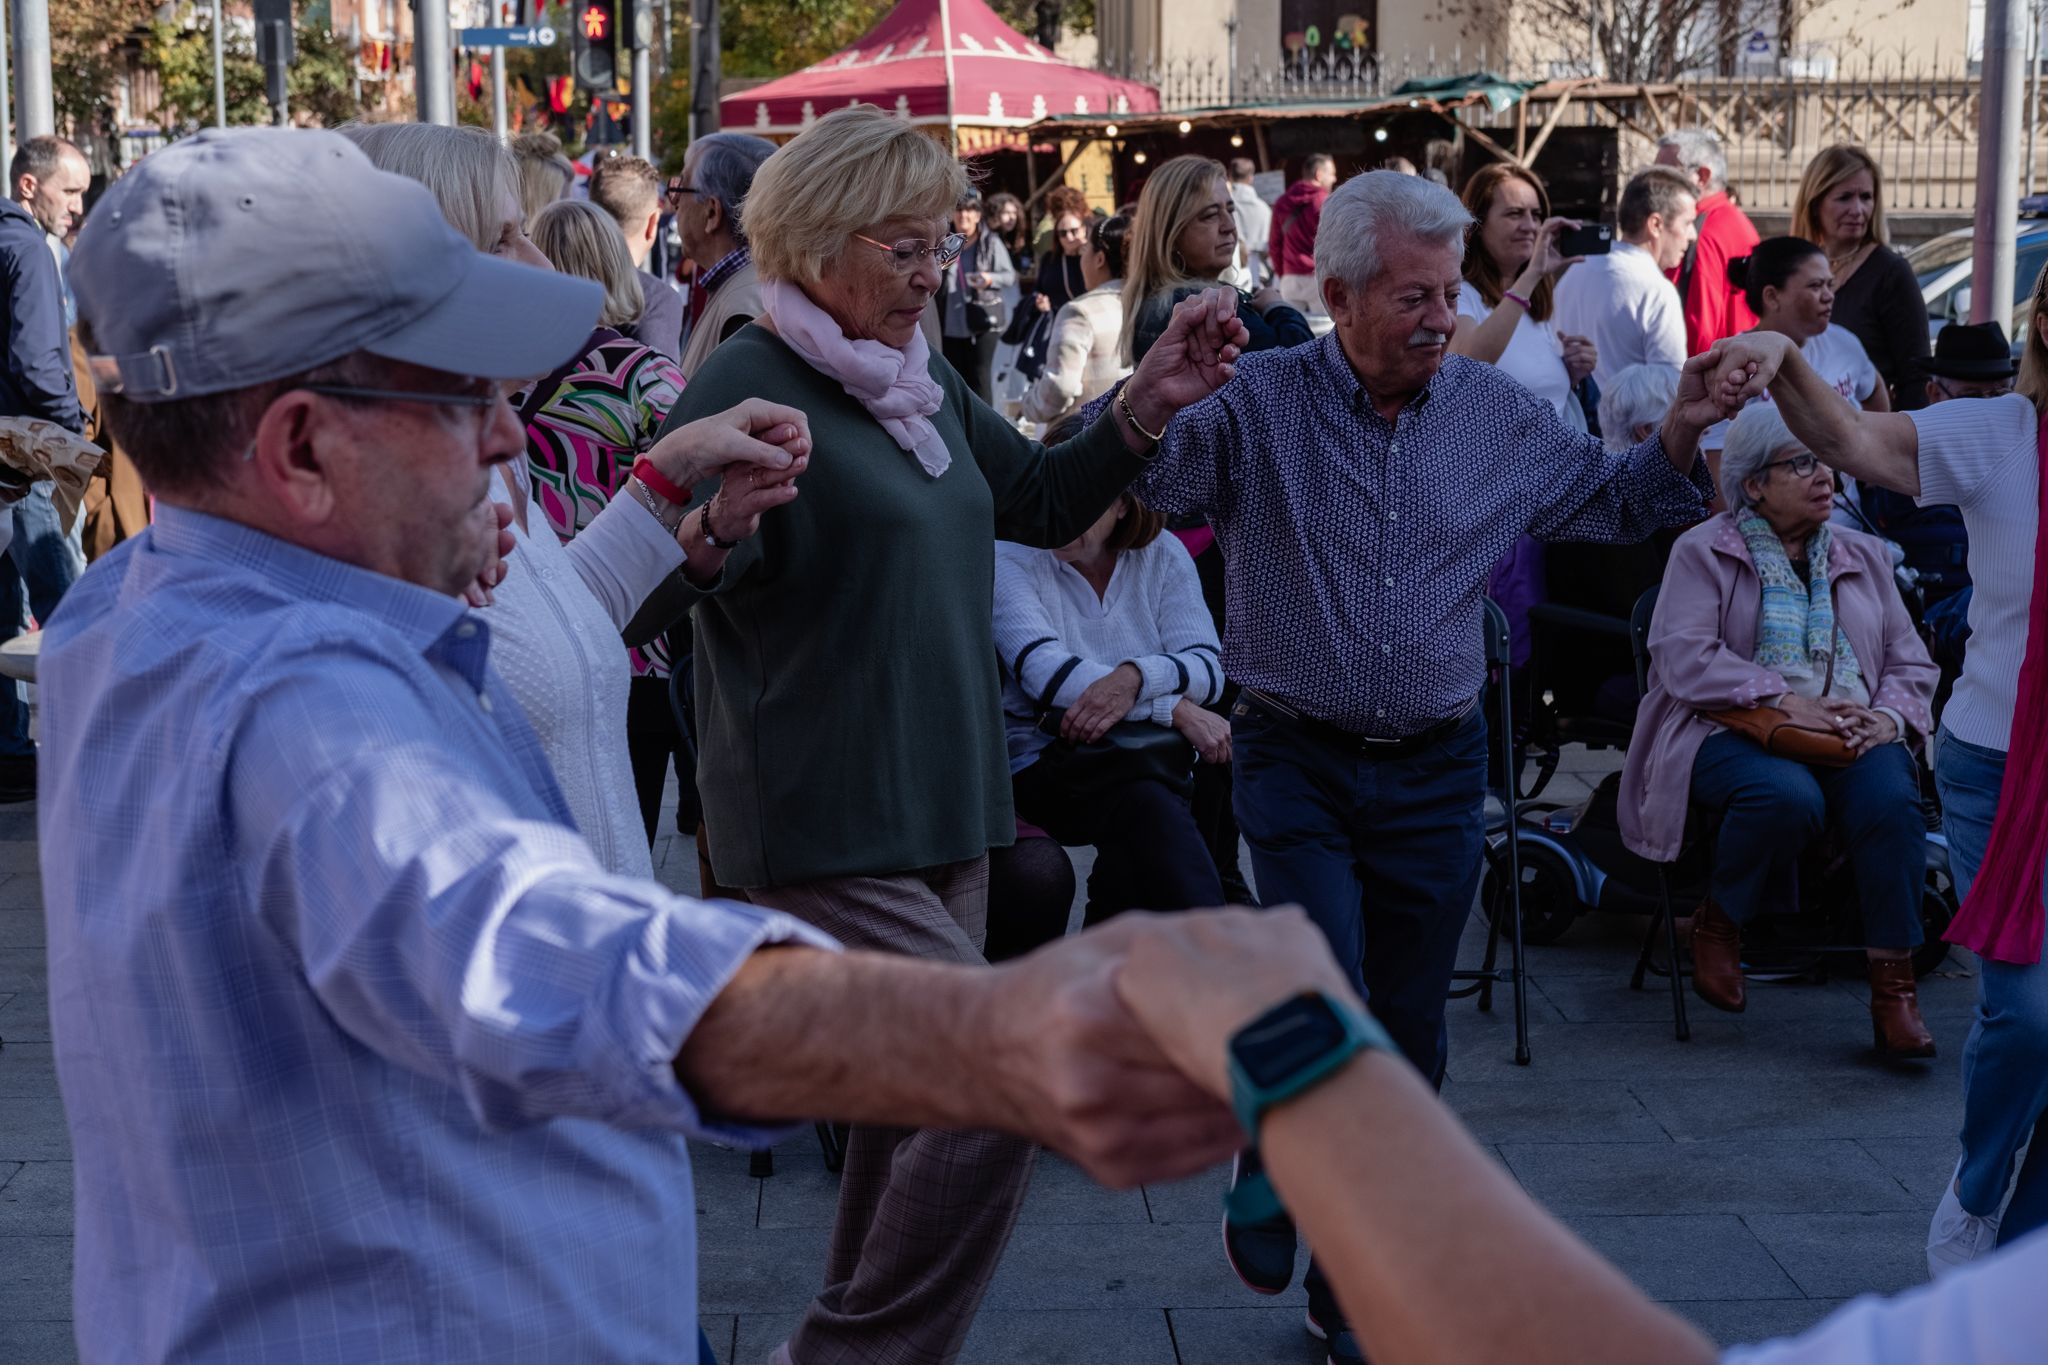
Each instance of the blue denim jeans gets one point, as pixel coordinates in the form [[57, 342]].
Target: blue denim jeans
[[2005, 1062], [43, 558], [1772, 808], [1384, 854]]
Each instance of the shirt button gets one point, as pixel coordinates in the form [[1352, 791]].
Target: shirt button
[[466, 631], [1394, 448], [1393, 516], [1386, 649], [1390, 582], [1381, 713], [485, 702]]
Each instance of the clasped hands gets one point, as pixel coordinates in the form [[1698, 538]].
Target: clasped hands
[[1858, 726]]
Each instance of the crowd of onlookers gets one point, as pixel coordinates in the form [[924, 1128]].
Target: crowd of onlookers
[[916, 547]]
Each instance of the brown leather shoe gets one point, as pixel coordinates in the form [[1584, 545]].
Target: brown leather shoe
[[1895, 1020], [1717, 959]]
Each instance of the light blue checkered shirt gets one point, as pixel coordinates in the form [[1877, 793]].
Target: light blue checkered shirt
[[364, 1056]]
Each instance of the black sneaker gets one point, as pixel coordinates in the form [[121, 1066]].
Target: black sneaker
[[1261, 1253], [1344, 1349]]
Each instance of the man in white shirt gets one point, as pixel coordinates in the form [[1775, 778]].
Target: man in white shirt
[[1623, 300], [1254, 217]]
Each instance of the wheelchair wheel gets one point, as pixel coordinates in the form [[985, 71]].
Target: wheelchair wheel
[[1938, 905], [1550, 896]]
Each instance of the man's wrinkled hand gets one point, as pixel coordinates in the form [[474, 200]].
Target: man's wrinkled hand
[[1082, 1076]]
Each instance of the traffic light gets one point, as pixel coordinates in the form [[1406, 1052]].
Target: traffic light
[[594, 55]]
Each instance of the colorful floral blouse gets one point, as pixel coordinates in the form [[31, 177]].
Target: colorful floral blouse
[[581, 444]]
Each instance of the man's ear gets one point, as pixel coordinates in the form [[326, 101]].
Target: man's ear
[[293, 455]]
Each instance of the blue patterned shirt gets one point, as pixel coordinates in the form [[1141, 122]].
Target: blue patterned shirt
[[364, 1056], [1356, 550]]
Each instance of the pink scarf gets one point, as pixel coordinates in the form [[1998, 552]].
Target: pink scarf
[[896, 387], [2003, 917]]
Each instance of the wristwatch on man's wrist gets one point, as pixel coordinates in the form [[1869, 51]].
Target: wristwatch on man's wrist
[[1288, 1050]]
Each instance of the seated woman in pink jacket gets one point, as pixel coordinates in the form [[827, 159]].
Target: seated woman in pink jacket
[[1768, 605]]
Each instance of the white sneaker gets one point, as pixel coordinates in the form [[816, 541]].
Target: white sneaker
[[1956, 1237]]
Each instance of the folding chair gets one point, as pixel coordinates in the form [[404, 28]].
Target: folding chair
[[1507, 896], [1666, 914], [681, 700]]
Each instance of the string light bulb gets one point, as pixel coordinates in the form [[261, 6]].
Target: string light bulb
[[1237, 139], [1138, 157], [1186, 127], [1109, 130]]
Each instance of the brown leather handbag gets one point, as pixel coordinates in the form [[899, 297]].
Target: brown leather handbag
[[1775, 732]]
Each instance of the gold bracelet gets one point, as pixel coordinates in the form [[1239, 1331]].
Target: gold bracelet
[[1123, 402]]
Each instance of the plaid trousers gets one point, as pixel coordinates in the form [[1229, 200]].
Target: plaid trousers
[[924, 1214]]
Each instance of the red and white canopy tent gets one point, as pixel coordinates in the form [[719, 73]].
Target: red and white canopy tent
[[948, 64]]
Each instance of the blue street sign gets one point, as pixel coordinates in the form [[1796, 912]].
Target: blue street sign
[[539, 35]]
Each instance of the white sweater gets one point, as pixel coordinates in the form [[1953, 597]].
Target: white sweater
[[555, 641], [1055, 636]]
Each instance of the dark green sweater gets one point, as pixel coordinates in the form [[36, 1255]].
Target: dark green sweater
[[848, 706]]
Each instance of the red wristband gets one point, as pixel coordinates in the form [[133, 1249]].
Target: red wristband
[[1511, 294], [644, 470]]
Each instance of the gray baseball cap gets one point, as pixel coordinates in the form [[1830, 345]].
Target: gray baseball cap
[[244, 255]]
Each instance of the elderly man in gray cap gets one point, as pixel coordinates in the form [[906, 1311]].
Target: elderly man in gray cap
[[363, 1055]]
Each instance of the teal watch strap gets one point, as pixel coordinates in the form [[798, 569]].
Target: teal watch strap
[[1285, 1052]]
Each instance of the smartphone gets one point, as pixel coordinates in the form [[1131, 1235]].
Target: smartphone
[[1594, 239]]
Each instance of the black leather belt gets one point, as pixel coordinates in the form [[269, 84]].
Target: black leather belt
[[1337, 737]]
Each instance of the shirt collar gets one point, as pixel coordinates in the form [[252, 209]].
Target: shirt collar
[[1336, 367], [421, 616], [724, 267]]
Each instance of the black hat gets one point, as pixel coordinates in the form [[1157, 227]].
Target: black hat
[[1972, 350]]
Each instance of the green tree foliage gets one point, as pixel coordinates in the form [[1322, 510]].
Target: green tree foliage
[[86, 41], [320, 86]]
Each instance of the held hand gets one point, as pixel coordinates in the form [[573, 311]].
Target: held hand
[[1079, 1074], [1716, 383], [746, 491], [1265, 300], [1581, 357], [494, 530], [1044, 303], [1194, 978], [755, 432], [1195, 356], [1207, 731], [1106, 701]]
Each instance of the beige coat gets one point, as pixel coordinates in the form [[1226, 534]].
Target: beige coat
[[1081, 358], [737, 299]]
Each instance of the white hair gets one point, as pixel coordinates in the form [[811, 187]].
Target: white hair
[[1638, 394], [1367, 209], [1696, 148], [1755, 438]]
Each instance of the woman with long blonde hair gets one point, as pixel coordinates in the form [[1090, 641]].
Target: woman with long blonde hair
[[1840, 209], [1182, 240]]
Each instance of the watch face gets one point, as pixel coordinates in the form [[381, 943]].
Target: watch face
[[1286, 1038]]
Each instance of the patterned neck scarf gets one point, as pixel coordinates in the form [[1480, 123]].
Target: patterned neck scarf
[[1796, 636]]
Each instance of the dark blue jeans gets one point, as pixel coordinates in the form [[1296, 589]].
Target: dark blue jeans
[[705, 1355], [1772, 808], [1384, 854], [44, 558]]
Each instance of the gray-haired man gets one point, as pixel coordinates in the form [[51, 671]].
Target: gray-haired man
[[364, 1056], [718, 170], [1714, 308], [1362, 486]]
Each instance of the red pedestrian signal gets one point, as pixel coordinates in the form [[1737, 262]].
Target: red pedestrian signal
[[594, 59]]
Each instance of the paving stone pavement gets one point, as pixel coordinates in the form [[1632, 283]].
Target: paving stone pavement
[[1753, 1178]]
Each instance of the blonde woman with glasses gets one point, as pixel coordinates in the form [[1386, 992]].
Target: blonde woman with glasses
[[1183, 238], [851, 754]]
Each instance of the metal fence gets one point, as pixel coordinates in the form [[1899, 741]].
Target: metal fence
[[1918, 118]]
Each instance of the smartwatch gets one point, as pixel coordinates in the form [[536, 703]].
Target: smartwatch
[[1286, 1051]]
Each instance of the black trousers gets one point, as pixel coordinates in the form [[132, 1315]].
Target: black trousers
[[1148, 853], [975, 358], [654, 741]]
